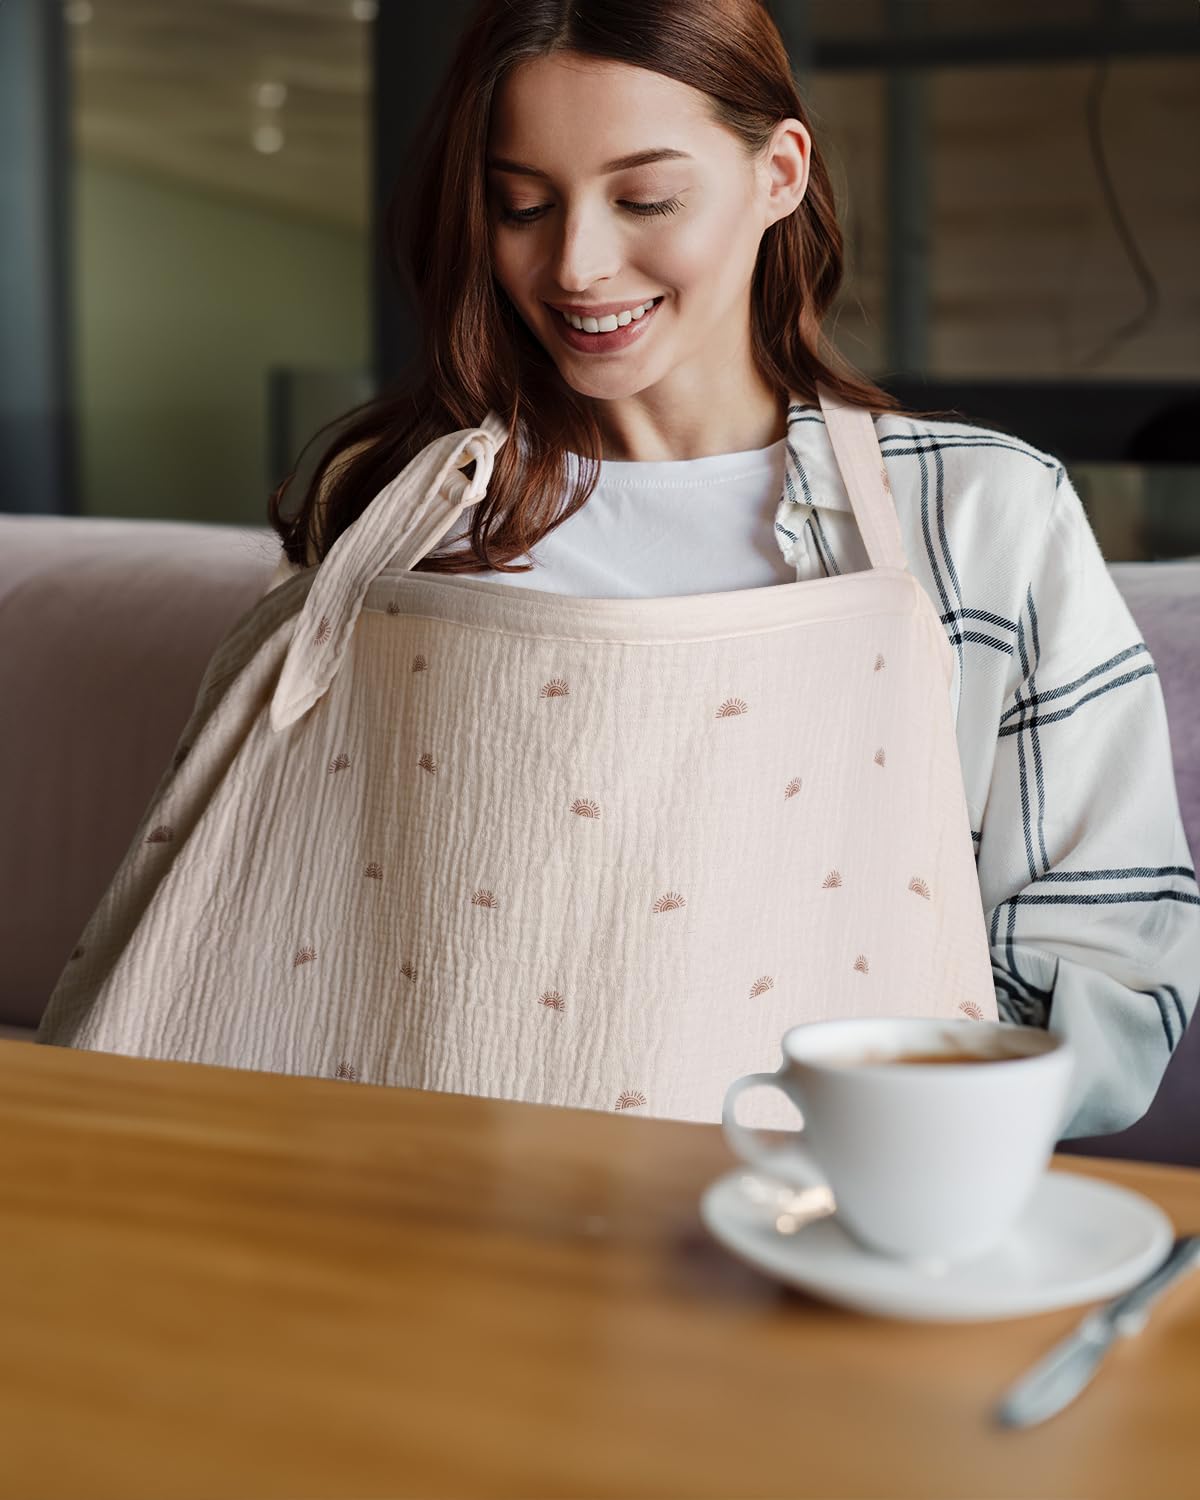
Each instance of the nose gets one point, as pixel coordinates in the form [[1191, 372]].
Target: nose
[[588, 250]]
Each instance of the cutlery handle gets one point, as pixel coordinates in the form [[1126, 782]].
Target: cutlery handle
[[1054, 1382], [1059, 1377], [1128, 1314]]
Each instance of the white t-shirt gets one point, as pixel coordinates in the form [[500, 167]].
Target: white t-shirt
[[684, 526]]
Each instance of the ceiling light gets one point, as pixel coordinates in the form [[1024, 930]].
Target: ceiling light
[[270, 95], [267, 138]]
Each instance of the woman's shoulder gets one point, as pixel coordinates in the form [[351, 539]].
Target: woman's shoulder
[[989, 482], [977, 505]]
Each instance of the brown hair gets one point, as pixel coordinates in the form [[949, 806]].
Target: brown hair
[[477, 352]]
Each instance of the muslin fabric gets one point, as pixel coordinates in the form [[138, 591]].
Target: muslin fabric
[[438, 833]]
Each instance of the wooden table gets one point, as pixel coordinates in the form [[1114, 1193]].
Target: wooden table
[[224, 1283]]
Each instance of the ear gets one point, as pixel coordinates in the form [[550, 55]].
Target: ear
[[787, 164]]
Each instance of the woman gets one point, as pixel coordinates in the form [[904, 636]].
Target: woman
[[1084, 870], [653, 167]]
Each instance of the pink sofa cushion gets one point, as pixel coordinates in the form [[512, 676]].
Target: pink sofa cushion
[[108, 624]]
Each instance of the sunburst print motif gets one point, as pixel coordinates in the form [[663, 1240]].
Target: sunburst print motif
[[555, 688], [969, 1008], [630, 1100], [832, 880], [427, 763], [420, 664], [552, 1000], [879, 663], [860, 963], [584, 807], [671, 901], [338, 764], [408, 970], [792, 788], [918, 885], [163, 834], [374, 872], [324, 630], [880, 758], [303, 956], [732, 706], [761, 986], [393, 608], [344, 1070], [483, 898]]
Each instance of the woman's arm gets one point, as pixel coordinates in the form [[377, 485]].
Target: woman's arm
[[1089, 890]]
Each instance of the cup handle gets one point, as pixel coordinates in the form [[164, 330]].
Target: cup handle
[[793, 1163]]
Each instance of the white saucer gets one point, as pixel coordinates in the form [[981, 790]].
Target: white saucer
[[1080, 1239]]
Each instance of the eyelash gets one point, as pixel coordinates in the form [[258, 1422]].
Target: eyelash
[[643, 210]]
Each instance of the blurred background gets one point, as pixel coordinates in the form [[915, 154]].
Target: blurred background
[[191, 281]]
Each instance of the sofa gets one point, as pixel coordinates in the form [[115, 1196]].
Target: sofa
[[108, 625]]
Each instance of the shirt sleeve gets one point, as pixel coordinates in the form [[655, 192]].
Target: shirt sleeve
[[1088, 887]]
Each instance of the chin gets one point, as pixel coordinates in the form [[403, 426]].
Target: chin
[[613, 392]]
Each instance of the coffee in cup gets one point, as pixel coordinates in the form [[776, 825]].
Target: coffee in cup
[[921, 1058], [929, 1149]]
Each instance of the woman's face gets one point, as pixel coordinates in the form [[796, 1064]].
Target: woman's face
[[684, 229]]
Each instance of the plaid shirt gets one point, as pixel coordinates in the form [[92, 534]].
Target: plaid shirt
[[1088, 887]]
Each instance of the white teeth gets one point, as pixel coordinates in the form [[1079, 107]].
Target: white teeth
[[610, 321]]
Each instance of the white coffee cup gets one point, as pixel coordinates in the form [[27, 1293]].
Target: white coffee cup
[[926, 1161]]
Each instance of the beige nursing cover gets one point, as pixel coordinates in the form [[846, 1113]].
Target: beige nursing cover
[[445, 834]]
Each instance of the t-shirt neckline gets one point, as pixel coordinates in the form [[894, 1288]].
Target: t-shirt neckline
[[687, 471]]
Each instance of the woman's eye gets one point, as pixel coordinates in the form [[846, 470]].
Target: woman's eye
[[667, 206], [529, 215]]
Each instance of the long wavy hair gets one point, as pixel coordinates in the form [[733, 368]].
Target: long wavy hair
[[477, 353]]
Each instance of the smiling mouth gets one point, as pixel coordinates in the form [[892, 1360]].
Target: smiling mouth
[[558, 312]]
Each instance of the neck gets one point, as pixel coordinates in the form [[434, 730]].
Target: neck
[[649, 428]]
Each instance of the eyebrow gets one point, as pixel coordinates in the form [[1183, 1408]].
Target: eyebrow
[[621, 164]]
